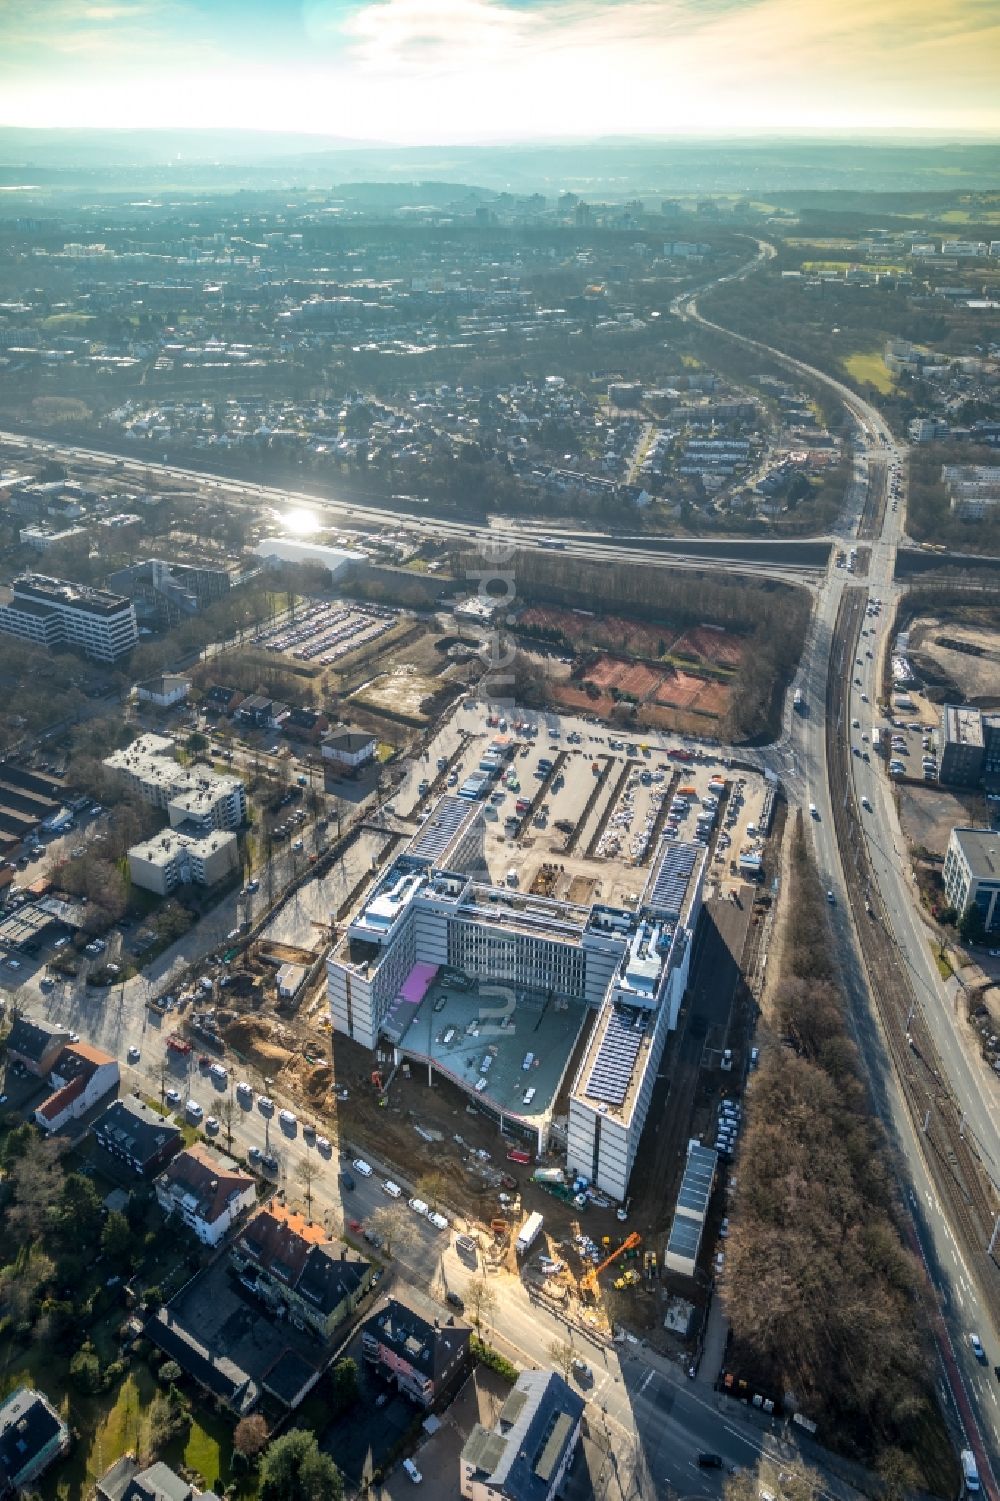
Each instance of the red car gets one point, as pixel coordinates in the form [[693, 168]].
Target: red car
[[354, 1225], [204, 1061]]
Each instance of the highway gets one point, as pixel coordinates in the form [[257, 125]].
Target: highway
[[721, 553], [961, 1278], [671, 1415]]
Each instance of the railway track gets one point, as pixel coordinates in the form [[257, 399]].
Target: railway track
[[958, 1173], [873, 512]]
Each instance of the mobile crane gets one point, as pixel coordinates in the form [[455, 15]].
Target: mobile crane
[[588, 1282]]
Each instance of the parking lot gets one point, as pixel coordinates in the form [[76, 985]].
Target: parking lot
[[576, 811], [324, 633], [527, 1037]]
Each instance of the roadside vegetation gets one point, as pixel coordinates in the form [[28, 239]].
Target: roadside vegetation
[[929, 517], [821, 1293]]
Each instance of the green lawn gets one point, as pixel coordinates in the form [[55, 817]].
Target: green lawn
[[869, 369], [65, 321]]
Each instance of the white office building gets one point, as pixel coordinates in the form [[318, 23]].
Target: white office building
[[189, 795], [54, 612], [972, 873], [614, 1084], [435, 909]]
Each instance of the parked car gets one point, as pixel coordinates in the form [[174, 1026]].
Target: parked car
[[362, 1167]]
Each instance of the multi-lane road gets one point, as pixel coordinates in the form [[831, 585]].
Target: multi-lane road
[[960, 1279], [798, 562], [672, 1417]]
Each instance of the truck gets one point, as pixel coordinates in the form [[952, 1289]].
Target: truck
[[178, 1044], [799, 701], [528, 1233], [547, 1175]]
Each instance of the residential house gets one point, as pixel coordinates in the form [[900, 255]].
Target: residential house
[[305, 724], [35, 1044], [80, 1077], [288, 1262], [206, 1190], [137, 1135], [32, 1435], [166, 690], [526, 1454], [348, 748], [423, 1357], [128, 1481]]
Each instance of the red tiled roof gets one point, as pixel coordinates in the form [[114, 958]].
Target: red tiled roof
[[208, 1175], [58, 1102]]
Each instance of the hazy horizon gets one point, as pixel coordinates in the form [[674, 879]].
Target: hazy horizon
[[441, 72]]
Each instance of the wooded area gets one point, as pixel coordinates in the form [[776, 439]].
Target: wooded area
[[821, 1293], [772, 616]]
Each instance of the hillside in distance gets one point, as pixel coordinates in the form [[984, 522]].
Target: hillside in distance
[[56, 161]]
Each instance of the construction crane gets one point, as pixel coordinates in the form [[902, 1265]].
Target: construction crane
[[588, 1282]]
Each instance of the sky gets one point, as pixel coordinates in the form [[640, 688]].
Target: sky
[[416, 72]]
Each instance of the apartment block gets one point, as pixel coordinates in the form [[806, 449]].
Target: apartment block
[[527, 1453], [171, 859], [54, 612], [196, 794]]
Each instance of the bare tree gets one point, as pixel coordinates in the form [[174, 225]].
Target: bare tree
[[562, 1356], [163, 1074], [227, 1112], [307, 1172], [394, 1225], [431, 1185], [481, 1301], [250, 1435]]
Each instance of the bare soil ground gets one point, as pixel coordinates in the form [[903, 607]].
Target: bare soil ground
[[976, 676], [928, 815]]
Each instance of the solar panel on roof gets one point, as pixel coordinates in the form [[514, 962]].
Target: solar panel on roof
[[440, 829], [669, 882], [612, 1068]]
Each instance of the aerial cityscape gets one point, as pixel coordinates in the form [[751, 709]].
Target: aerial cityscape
[[499, 751]]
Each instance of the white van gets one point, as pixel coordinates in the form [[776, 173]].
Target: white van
[[969, 1470]]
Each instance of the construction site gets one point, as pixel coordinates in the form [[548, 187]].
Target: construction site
[[445, 1140]]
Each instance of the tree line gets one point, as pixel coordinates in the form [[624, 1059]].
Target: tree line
[[821, 1293]]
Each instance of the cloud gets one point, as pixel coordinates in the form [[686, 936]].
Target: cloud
[[440, 70]]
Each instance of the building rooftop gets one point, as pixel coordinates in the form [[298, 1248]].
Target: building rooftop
[[523, 1451], [204, 1181], [449, 819], [963, 725], [32, 1039], [169, 843], [135, 1128], [428, 1347], [455, 1028], [28, 1425], [61, 592], [981, 848]]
